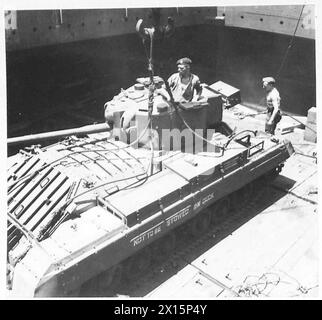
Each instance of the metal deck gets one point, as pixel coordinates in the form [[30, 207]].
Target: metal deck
[[271, 254]]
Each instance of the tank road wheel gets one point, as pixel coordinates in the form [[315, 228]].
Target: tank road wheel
[[117, 277], [219, 210], [200, 223], [74, 293], [259, 184], [107, 280], [241, 197], [110, 279], [250, 191], [164, 247], [246, 193], [137, 264], [89, 288], [275, 172]]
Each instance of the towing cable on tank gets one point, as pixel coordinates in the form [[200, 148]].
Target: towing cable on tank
[[34, 173], [175, 105]]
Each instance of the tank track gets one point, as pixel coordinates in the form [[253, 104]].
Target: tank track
[[188, 245]]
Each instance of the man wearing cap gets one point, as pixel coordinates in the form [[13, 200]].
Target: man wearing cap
[[184, 85], [273, 104]]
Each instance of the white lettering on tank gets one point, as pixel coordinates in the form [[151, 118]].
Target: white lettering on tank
[[146, 234], [178, 215], [207, 198]]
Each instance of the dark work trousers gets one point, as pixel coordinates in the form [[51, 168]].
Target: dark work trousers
[[270, 128]]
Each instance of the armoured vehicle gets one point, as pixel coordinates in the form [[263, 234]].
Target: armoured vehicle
[[102, 203]]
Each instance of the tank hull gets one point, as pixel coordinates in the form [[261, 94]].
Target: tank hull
[[168, 199]]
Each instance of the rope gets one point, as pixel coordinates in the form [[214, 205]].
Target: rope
[[196, 134], [290, 44], [305, 125]]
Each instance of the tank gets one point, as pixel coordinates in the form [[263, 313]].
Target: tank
[[99, 202]]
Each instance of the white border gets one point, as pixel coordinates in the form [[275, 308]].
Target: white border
[[80, 4]]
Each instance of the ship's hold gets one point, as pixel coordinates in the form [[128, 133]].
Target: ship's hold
[[97, 206]]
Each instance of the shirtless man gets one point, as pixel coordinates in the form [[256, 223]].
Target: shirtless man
[[273, 105]]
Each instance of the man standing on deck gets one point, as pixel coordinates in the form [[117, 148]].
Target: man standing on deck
[[273, 105]]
